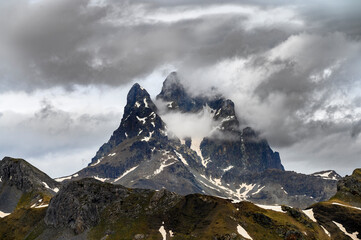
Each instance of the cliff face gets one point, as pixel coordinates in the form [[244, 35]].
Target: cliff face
[[244, 150], [17, 178]]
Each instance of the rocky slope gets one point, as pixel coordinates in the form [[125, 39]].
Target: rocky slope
[[90, 209], [143, 153], [25, 193], [19, 180], [341, 215]]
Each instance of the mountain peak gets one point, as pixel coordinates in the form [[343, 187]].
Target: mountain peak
[[18, 179], [140, 119], [138, 96]]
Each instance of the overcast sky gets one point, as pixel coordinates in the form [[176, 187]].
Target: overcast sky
[[293, 69]]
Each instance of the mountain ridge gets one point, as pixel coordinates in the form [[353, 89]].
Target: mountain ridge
[[143, 153]]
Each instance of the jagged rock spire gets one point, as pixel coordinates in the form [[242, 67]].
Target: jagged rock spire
[[139, 119]]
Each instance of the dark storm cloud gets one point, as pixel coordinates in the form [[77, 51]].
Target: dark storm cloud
[[77, 42], [292, 68], [356, 129]]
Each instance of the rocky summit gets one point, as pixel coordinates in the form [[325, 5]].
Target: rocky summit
[[229, 162], [23, 184]]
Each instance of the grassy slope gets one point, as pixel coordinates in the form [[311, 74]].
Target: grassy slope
[[204, 217], [24, 219]]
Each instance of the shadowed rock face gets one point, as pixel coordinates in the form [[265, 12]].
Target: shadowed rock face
[[349, 188], [139, 119], [79, 204], [19, 177], [230, 146], [22, 175]]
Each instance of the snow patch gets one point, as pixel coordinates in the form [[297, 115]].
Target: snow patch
[[353, 236], [46, 185], [62, 179], [141, 119], [284, 190], [326, 175], [258, 190], [247, 188], [241, 231], [42, 206], [163, 232], [145, 103], [112, 154], [171, 234], [227, 169], [146, 139], [325, 230], [125, 173], [53, 189], [3, 214], [196, 146], [169, 104], [162, 166], [334, 203], [271, 207], [100, 179], [137, 104], [98, 161], [181, 157], [309, 214]]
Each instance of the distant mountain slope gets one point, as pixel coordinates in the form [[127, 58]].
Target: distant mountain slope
[[328, 175]]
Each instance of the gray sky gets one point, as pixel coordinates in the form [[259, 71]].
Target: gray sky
[[292, 69]]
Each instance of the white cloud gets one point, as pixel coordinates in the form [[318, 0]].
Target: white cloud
[[195, 126]]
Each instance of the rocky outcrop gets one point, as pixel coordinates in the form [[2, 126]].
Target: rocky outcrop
[[349, 189], [18, 177], [25, 177], [79, 203], [342, 213]]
